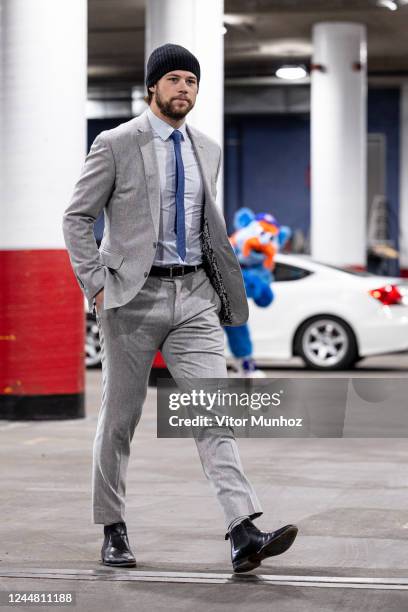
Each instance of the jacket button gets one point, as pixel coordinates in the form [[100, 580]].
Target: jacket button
[[146, 274], [154, 245]]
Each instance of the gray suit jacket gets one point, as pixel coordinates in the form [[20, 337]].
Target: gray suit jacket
[[121, 177]]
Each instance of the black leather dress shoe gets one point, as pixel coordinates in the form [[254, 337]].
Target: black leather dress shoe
[[116, 549], [250, 546]]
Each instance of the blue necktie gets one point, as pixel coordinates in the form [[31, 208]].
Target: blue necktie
[[180, 227]]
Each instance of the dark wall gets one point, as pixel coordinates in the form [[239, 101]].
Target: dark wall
[[267, 161], [267, 167], [96, 126], [383, 116]]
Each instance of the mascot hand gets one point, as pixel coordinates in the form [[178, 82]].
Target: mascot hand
[[265, 298]]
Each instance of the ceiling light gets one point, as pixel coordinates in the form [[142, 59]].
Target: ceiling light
[[389, 4], [238, 19], [287, 47], [291, 73]]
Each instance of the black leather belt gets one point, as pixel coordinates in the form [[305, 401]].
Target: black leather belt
[[173, 270]]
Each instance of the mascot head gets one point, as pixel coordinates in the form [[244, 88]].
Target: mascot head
[[257, 237]]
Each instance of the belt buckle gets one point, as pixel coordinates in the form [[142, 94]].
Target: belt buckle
[[172, 271], [182, 270]]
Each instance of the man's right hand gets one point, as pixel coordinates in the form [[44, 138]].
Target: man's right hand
[[99, 300]]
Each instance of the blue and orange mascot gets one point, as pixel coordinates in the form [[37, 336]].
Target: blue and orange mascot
[[256, 240]]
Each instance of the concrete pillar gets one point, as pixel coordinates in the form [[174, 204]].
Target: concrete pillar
[[338, 144], [403, 214], [196, 25], [42, 135]]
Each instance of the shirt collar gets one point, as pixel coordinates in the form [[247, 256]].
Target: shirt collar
[[163, 129]]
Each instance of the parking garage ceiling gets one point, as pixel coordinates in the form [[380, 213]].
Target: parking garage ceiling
[[261, 35]]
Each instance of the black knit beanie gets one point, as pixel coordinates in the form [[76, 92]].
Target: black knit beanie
[[170, 57]]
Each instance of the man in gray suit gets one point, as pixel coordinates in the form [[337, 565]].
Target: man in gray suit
[[165, 277]]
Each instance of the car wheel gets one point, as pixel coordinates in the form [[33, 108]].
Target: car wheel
[[326, 343], [92, 343], [155, 374]]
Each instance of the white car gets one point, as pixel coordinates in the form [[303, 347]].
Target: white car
[[329, 316]]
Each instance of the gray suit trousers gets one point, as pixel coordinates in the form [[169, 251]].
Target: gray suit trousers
[[179, 316]]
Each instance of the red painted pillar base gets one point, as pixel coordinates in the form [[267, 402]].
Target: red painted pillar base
[[42, 327], [42, 407]]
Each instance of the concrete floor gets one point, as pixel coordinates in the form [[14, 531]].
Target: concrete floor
[[348, 497]]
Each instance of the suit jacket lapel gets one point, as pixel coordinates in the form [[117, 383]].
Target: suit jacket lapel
[[202, 158], [144, 138]]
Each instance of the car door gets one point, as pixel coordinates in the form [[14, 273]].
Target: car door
[[272, 328]]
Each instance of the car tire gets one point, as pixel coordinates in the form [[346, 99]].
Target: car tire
[[155, 374], [326, 343], [93, 357]]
